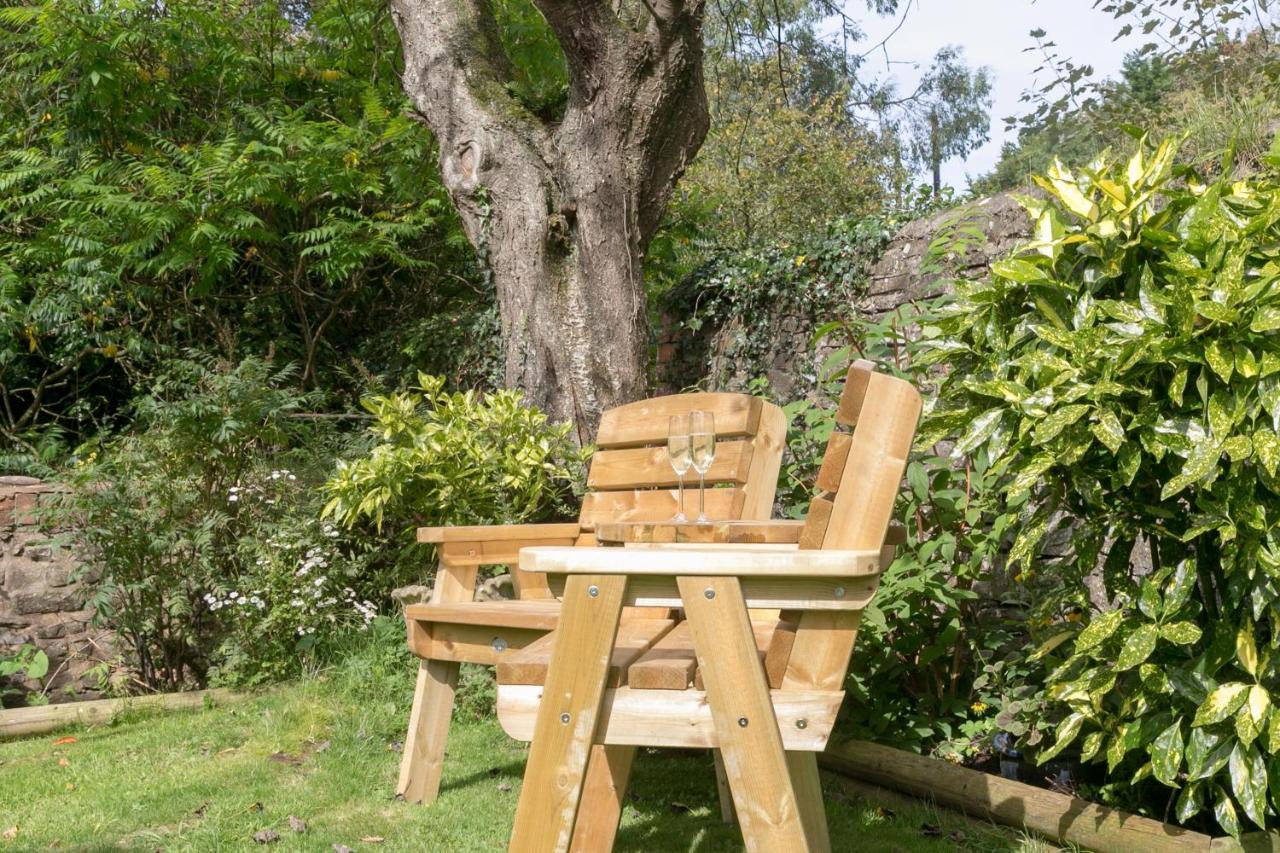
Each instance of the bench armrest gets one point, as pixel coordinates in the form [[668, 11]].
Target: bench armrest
[[498, 532], [730, 560]]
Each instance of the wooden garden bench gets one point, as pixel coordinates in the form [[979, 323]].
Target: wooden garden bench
[[708, 685], [629, 479]]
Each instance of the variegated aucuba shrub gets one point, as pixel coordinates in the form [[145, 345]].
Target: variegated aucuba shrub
[[1124, 369]]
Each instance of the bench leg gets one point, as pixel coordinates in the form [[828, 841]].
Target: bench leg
[[603, 794], [803, 769], [727, 814], [754, 760], [568, 713], [423, 760]]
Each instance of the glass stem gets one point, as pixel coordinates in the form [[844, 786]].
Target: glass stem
[[702, 496], [680, 477]]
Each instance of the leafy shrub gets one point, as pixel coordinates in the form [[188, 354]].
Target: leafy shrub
[[201, 529], [1122, 375], [235, 177], [456, 458], [766, 294], [27, 663]]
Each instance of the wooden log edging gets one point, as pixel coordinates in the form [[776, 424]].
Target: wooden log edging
[[1066, 819], [18, 722]]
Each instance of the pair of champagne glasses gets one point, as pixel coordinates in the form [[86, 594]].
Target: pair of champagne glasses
[[691, 443]]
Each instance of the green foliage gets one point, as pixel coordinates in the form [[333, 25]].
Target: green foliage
[[777, 170], [235, 177], [27, 663], [756, 292], [1216, 94], [209, 558], [950, 115], [456, 458], [1122, 375]]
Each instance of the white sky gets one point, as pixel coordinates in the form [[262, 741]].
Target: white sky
[[992, 33]]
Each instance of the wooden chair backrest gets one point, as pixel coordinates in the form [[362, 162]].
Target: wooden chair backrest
[[858, 484], [631, 478]]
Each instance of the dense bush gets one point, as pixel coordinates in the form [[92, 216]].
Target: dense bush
[[456, 458], [203, 527], [756, 291], [234, 177], [1122, 377]]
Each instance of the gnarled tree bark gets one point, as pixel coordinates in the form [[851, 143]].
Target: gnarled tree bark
[[564, 210]]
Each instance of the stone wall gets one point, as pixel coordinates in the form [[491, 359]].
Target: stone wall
[[41, 602], [901, 276]]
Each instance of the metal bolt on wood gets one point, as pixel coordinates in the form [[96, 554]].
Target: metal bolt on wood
[[710, 593], [593, 591], [499, 644], [742, 721], [564, 718], [802, 723], [839, 592]]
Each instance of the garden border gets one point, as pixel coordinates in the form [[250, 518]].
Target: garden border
[[1061, 817], [37, 719]]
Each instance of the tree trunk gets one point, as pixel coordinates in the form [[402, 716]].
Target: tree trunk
[[935, 153], [563, 210]]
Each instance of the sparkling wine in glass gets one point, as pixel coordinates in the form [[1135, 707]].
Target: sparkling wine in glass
[[679, 454], [702, 450]]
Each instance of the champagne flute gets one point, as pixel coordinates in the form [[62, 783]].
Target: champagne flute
[[702, 449], [679, 456]]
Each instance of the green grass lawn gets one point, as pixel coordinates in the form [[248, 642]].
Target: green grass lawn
[[324, 750]]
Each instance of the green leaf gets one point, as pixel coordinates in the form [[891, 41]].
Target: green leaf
[[1266, 319], [1183, 633], [1249, 781], [1166, 754], [1108, 430], [1202, 459], [1220, 359], [1222, 702], [1225, 811], [979, 431], [1090, 746], [1252, 715], [1066, 733], [1178, 591], [1099, 630], [1190, 801], [1018, 270], [39, 666], [1049, 428], [1206, 753], [1137, 647], [1266, 446], [1247, 649]]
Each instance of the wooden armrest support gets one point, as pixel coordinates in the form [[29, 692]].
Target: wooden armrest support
[[498, 532], [740, 561]]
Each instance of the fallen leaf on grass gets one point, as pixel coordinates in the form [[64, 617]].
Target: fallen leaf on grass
[[286, 758], [504, 786], [199, 811], [62, 762], [929, 830], [395, 746], [10, 833], [884, 812], [255, 807], [679, 808], [373, 839], [957, 836], [63, 741], [297, 824], [322, 746], [266, 836]]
